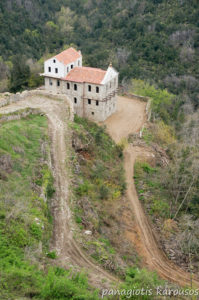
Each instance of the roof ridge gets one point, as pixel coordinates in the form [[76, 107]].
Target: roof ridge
[[91, 68]]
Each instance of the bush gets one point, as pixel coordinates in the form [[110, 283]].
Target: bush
[[52, 255]]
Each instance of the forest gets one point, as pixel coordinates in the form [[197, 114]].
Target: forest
[[154, 40]]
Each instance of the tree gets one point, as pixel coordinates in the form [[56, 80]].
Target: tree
[[19, 75]]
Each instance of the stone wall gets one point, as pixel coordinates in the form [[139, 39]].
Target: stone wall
[[8, 98], [18, 115]]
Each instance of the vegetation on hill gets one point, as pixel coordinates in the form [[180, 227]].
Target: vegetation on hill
[[152, 40], [170, 191], [155, 41], [98, 196], [26, 187]]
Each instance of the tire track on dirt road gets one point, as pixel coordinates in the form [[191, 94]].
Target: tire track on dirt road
[[69, 252], [130, 118]]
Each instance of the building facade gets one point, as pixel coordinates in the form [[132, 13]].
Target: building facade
[[92, 91]]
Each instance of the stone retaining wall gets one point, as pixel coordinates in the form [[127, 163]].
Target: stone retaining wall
[[8, 98], [18, 115]]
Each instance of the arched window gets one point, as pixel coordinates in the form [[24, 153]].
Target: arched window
[[97, 89], [75, 100], [68, 86], [75, 87], [89, 88]]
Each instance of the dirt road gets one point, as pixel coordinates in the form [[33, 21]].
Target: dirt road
[[129, 119], [70, 254], [119, 126]]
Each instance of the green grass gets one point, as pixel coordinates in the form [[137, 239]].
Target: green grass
[[25, 220], [150, 189]]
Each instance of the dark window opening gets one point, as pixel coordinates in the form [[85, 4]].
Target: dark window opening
[[58, 83], [49, 69], [54, 60], [50, 82], [97, 102], [97, 89], [89, 101], [71, 67], [93, 113], [68, 86], [56, 70], [75, 87], [89, 88], [75, 100]]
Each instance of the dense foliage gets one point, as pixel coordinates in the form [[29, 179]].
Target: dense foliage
[[169, 186], [152, 40]]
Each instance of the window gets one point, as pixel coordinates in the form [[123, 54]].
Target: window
[[68, 86], [75, 87], [75, 100], [97, 89], [49, 69], [58, 83], [71, 67], [50, 82], [89, 101], [56, 70], [54, 60], [97, 102], [89, 88], [93, 113]]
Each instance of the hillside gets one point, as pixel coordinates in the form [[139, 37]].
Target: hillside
[[68, 202], [153, 40], [33, 252]]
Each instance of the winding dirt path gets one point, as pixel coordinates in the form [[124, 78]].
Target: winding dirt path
[[129, 119], [120, 126], [69, 252]]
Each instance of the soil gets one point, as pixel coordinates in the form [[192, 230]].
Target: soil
[[129, 118], [63, 242], [144, 238]]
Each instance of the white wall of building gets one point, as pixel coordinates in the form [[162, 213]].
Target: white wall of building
[[63, 70], [53, 65]]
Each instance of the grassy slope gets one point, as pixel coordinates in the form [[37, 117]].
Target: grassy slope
[[99, 200], [25, 222]]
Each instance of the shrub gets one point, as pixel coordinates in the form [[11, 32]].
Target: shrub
[[52, 254]]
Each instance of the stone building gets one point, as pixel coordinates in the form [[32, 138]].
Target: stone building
[[92, 91]]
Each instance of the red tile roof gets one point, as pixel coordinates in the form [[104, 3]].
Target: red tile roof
[[86, 74], [68, 56]]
